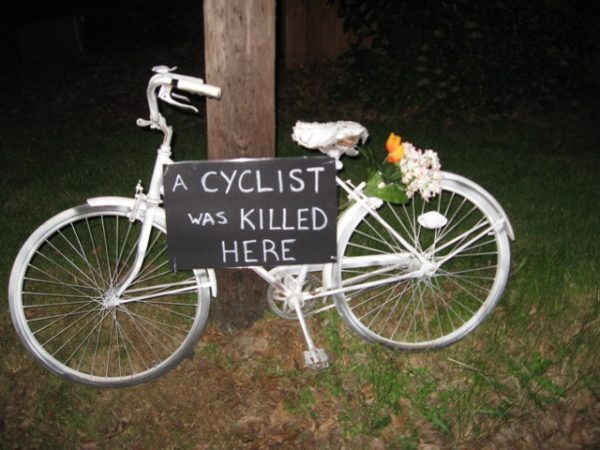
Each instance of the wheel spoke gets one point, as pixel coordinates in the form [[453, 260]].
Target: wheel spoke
[[467, 266]]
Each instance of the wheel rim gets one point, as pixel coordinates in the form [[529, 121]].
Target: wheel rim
[[68, 316], [442, 306]]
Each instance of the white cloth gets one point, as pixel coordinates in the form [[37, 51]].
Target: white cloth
[[332, 138]]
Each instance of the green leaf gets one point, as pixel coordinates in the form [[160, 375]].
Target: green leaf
[[389, 192]]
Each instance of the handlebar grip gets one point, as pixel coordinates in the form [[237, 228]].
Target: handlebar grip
[[196, 86]]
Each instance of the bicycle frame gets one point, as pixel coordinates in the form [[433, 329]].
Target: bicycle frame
[[413, 263], [151, 201]]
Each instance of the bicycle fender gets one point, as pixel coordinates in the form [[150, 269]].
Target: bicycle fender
[[113, 201], [159, 216], [454, 179]]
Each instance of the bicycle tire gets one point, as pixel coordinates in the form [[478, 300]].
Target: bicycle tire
[[61, 306], [437, 309]]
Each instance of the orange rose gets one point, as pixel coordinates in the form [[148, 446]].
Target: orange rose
[[395, 148], [392, 143], [396, 156]]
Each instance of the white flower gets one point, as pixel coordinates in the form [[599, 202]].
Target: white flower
[[421, 172]]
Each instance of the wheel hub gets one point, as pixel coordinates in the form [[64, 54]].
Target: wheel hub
[[111, 300], [428, 269]]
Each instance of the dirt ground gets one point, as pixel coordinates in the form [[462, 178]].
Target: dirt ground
[[248, 389]]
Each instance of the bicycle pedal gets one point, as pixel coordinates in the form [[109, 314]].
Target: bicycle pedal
[[316, 359]]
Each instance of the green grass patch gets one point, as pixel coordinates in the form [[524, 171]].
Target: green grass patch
[[538, 349]]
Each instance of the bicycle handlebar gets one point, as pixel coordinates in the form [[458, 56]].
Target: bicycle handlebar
[[166, 79], [197, 86]]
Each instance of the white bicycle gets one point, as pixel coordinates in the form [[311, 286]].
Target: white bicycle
[[93, 299]]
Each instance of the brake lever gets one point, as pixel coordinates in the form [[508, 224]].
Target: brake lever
[[167, 96]]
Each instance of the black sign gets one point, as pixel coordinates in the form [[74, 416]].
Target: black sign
[[251, 212]]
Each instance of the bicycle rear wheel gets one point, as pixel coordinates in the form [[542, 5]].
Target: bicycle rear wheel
[[62, 303], [433, 309]]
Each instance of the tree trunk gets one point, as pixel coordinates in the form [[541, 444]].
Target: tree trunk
[[240, 58]]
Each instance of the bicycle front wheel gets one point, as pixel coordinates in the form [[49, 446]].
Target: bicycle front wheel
[[62, 301], [404, 310]]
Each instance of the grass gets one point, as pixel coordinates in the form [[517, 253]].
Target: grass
[[536, 355]]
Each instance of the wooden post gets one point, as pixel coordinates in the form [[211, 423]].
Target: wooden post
[[240, 58]]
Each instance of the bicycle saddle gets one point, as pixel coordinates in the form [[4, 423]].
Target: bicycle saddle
[[332, 138]]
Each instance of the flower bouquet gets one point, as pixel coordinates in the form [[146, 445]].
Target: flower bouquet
[[406, 171]]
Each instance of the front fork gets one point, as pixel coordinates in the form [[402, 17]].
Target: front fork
[[142, 247], [150, 203]]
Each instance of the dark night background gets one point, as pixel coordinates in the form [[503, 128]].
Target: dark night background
[[492, 56], [107, 25]]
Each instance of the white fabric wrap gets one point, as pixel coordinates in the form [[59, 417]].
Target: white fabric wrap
[[332, 138]]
